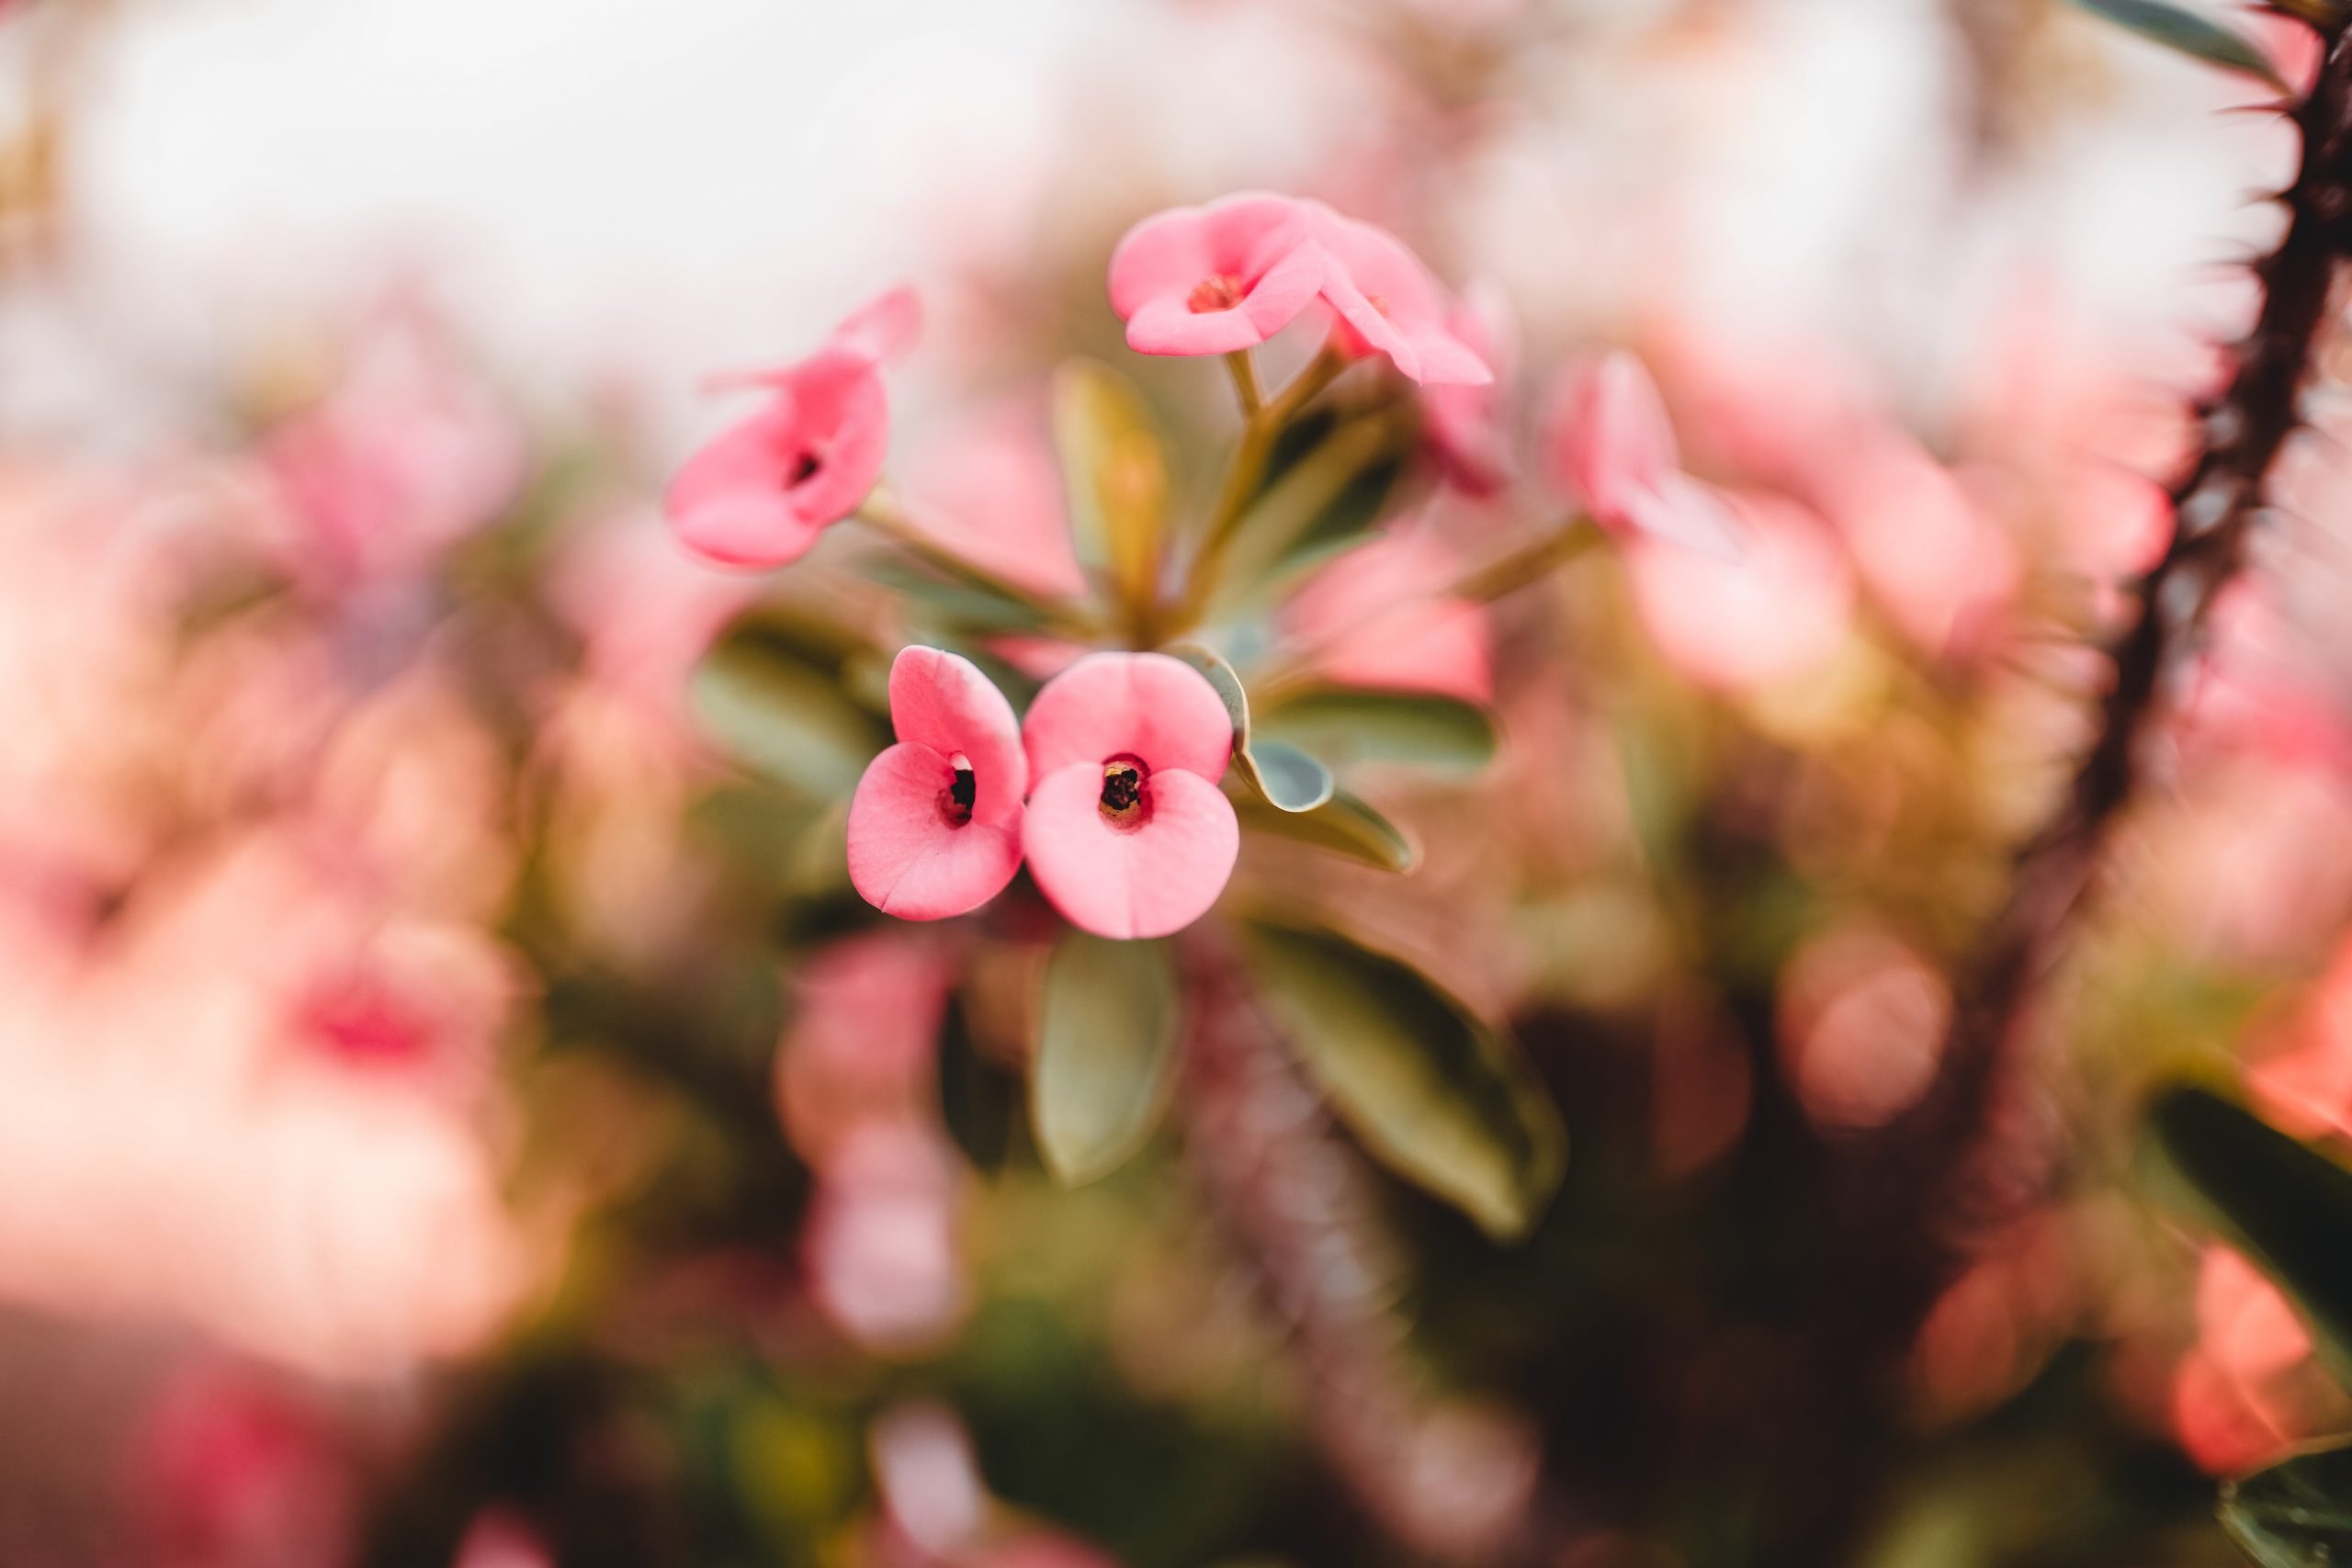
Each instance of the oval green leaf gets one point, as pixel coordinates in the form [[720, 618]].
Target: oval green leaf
[[2287, 1206], [1436, 1095], [2296, 1513], [1116, 477], [2188, 33], [1347, 725], [1107, 1037], [1343, 825]]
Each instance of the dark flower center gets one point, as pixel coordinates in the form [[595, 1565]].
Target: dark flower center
[[1123, 801], [1220, 291], [804, 468], [956, 800]]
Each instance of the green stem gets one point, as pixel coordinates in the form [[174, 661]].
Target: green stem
[[1241, 481], [1244, 370], [882, 513]]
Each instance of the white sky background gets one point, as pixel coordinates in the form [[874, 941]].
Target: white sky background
[[654, 186]]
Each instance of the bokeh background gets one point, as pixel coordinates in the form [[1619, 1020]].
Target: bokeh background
[[448, 1113]]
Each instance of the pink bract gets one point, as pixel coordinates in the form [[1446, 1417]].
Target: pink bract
[[1608, 441], [1127, 833], [934, 827], [1217, 278], [1389, 303], [759, 493]]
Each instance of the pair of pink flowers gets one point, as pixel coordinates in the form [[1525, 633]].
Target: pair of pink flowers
[[1229, 275], [1109, 791]]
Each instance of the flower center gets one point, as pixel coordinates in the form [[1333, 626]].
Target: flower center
[[1125, 803], [1219, 291], [956, 800], [804, 468]]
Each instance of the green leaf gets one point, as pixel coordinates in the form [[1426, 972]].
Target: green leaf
[[1347, 724], [1344, 825], [774, 694], [2189, 33], [1107, 1042], [1116, 475], [1283, 776], [2296, 1513], [2287, 1206], [1439, 1096]]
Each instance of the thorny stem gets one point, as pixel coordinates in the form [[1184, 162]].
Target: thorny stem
[[1934, 1160]]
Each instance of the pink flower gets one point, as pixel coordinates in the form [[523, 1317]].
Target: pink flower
[[759, 493], [1778, 612], [1609, 442], [1389, 304], [1375, 622], [1217, 278], [934, 827], [1127, 833]]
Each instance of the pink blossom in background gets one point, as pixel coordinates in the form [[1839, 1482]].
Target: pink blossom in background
[[1608, 443], [880, 1247], [1127, 833], [1215, 279], [407, 454], [1375, 620], [936, 826], [1779, 612], [500, 1538], [2300, 1067], [2234, 1400], [1862, 1026], [1945, 572], [862, 1043], [989, 488], [645, 615], [759, 493], [937, 1511], [229, 1469]]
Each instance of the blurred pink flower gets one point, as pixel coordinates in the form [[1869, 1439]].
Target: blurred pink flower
[[879, 1245], [406, 456], [1375, 621], [1217, 278], [937, 1511], [1944, 571], [1861, 1025], [863, 1044], [500, 1538], [2235, 1396], [1780, 610], [1609, 443], [1127, 833], [759, 493], [646, 613], [1389, 303], [936, 826], [230, 1470], [991, 490]]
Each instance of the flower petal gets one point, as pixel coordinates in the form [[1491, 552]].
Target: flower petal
[[907, 857], [940, 699], [883, 328], [1682, 511], [1147, 706], [1608, 436], [1143, 881]]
